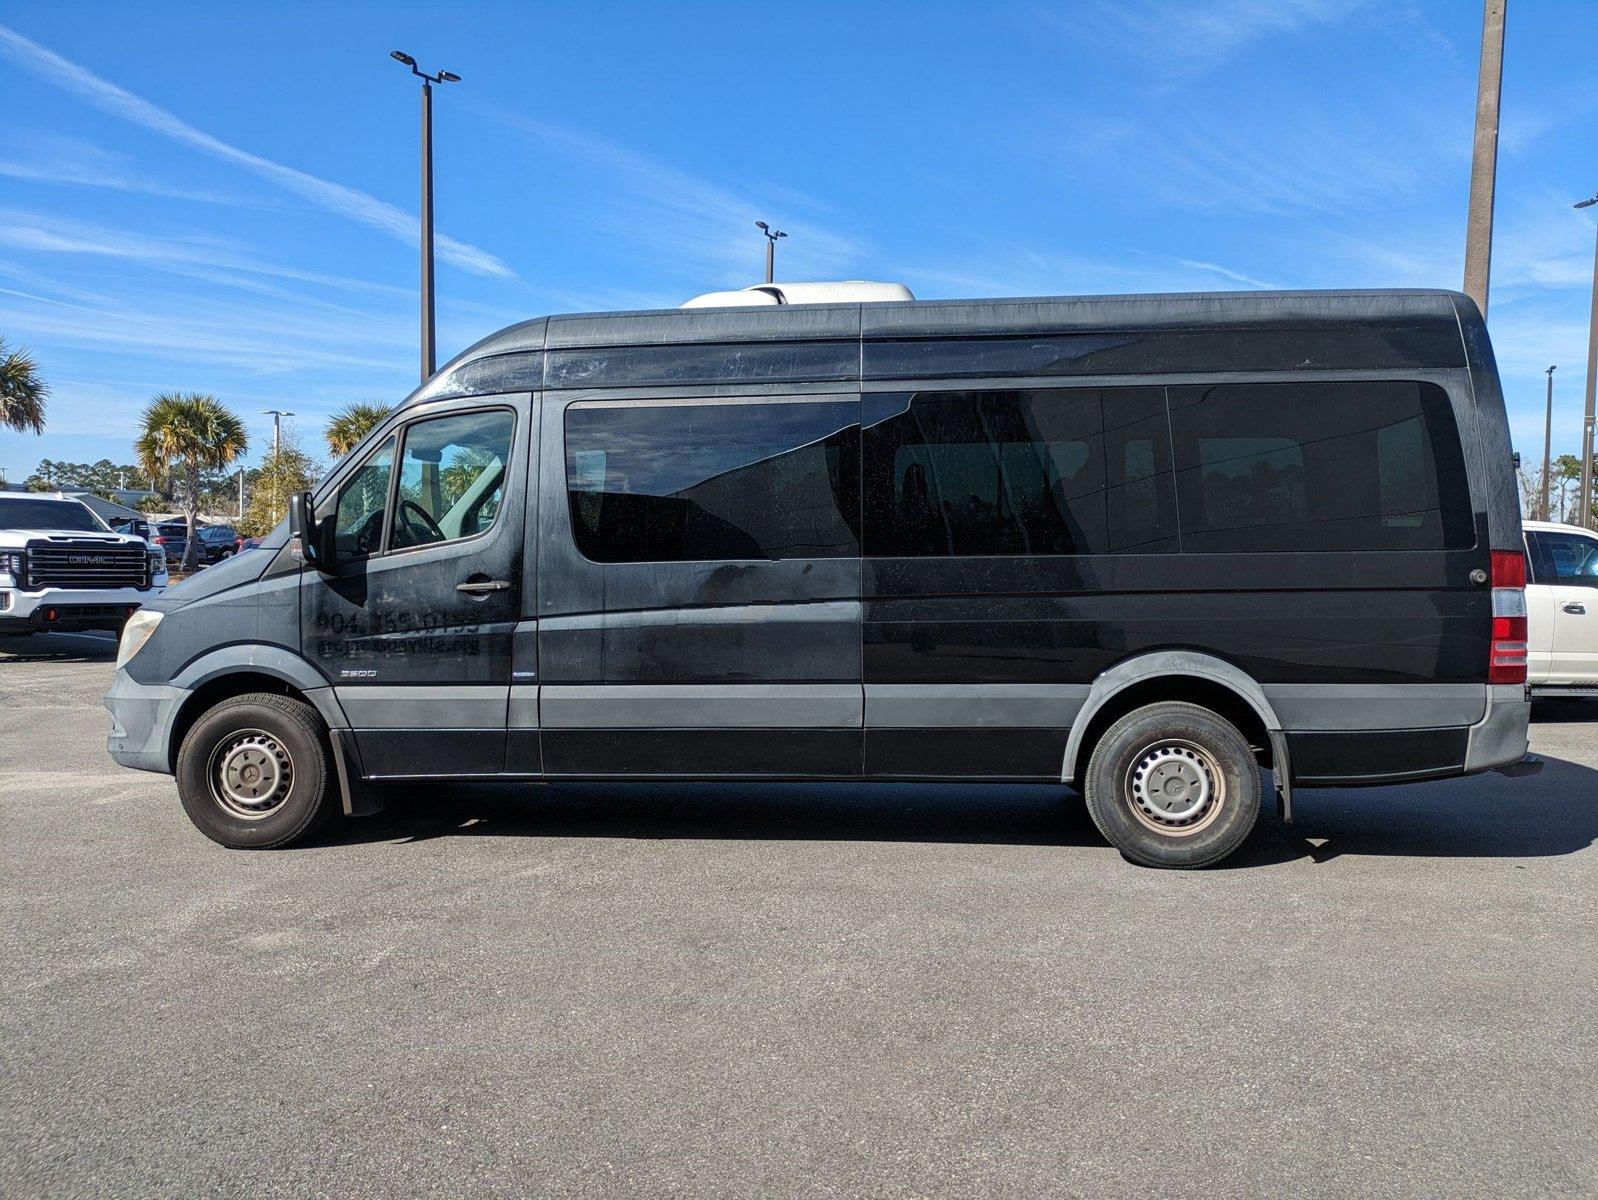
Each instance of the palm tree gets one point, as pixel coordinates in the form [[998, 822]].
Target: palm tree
[[184, 435], [351, 423], [22, 392]]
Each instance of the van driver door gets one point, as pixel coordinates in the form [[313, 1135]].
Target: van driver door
[[412, 619]]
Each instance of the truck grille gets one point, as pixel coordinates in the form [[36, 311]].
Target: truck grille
[[87, 567]]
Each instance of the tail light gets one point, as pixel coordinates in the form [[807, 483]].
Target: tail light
[[1506, 662]]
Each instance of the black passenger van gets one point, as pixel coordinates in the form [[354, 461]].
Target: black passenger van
[[1143, 545]]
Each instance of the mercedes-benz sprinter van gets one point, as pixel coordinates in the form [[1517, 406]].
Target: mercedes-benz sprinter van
[[1142, 545]]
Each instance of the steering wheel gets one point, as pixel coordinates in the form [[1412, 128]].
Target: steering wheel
[[423, 524]]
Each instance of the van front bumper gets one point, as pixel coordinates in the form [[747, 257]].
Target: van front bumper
[[141, 722]]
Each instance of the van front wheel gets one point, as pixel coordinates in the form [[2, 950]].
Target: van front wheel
[[254, 772], [1173, 785]]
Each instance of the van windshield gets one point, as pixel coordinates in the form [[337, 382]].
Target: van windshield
[[49, 514]]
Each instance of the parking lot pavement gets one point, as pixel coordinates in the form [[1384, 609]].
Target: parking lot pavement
[[786, 990]]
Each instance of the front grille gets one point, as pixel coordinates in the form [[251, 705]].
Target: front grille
[[87, 567]]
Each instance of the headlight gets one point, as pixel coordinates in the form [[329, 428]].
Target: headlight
[[11, 564], [135, 633], [157, 563]]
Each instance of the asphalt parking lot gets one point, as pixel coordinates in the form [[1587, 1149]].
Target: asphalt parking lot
[[786, 990]]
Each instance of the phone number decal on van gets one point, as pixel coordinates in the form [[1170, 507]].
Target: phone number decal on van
[[379, 623]]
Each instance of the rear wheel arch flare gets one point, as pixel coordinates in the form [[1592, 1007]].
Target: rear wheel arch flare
[[1171, 675]]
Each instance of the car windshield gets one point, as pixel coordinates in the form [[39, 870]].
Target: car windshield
[[49, 514]]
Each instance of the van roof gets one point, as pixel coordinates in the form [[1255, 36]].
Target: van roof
[[1014, 316]]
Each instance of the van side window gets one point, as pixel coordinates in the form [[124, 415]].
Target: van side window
[[358, 516], [452, 475], [1046, 472], [1319, 466], [696, 481]]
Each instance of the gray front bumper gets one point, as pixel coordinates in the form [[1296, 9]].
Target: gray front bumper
[[141, 722]]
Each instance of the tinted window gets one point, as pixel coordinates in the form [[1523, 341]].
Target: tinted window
[[48, 514], [1318, 466], [1567, 558], [1078, 471], [358, 517], [1241, 347], [732, 363], [452, 476], [689, 481]]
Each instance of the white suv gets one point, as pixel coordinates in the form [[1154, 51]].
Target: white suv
[[62, 567], [1561, 609]]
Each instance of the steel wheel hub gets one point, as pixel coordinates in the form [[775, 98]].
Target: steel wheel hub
[[1175, 787], [250, 774]]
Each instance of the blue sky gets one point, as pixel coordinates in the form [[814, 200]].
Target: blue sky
[[222, 197]]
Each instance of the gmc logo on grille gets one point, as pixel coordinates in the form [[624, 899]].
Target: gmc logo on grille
[[92, 559]]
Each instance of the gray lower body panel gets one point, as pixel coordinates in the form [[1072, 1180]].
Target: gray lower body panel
[[1346, 707], [700, 706]]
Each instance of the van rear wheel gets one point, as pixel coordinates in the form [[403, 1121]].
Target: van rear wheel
[[1173, 785], [254, 773]]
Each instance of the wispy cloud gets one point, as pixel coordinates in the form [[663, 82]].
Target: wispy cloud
[[73, 162], [1228, 273], [194, 256], [1543, 241], [334, 197], [1184, 37], [195, 335], [695, 222]]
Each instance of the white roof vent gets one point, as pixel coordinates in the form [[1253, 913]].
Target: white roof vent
[[845, 291]]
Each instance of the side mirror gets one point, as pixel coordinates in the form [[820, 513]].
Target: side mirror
[[302, 525]]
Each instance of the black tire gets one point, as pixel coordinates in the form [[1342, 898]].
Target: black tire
[[1173, 785], [291, 790]]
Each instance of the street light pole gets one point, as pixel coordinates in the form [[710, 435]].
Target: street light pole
[[1484, 158], [771, 247], [277, 415], [1584, 514], [1548, 444], [428, 359]]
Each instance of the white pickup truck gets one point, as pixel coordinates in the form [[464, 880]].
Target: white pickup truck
[[62, 567], [1561, 609]]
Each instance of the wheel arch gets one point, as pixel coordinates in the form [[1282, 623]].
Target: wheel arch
[[1176, 675], [235, 670]]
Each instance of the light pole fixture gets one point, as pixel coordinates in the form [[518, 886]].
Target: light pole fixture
[[1548, 443], [277, 415], [428, 81], [1584, 513], [771, 247]]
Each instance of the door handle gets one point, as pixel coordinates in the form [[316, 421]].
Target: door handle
[[1576, 608], [486, 585]]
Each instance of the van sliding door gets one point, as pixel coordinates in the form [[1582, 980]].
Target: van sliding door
[[699, 606]]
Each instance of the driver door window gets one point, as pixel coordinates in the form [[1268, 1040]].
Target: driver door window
[[452, 475], [358, 519]]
